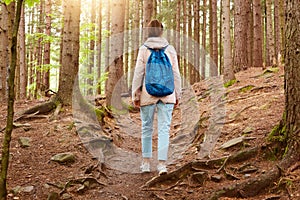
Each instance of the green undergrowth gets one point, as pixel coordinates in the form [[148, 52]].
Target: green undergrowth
[[277, 140], [230, 83], [246, 88]]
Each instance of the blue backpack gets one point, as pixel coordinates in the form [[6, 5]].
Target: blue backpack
[[159, 78]]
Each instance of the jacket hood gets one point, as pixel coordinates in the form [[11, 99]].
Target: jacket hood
[[156, 42]]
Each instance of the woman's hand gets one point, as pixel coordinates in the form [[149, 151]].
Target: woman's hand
[[176, 104], [137, 103]]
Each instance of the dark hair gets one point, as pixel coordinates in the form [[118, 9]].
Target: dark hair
[[155, 28]]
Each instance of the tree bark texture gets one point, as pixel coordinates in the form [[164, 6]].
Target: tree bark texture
[[184, 45], [147, 15], [228, 64], [213, 38], [99, 49], [249, 16], [3, 50], [46, 74], [22, 52], [135, 41], [277, 31], [126, 44], [292, 77], [270, 47], [257, 34], [197, 40], [107, 40], [190, 52], [10, 102], [240, 36], [116, 55], [203, 52], [92, 43], [39, 55], [70, 51], [178, 24]]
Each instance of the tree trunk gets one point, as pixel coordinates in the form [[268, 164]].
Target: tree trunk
[[135, 37], [220, 46], [107, 40], [147, 15], [270, 48], [155, 9], [197, 40], [282, 24], [249, 36], [23, 64], [203, 52], [177, 35], [70, 51], [228, 64], [116, 52], [240, 36], [31, 49], [3, 50], [126, 45], [10, 103], [213, 23], [39, 55], [190, 52], [184, 45], [99, 49], [277, 32], [47, 45], [90, 80], [292, 79], [257, 34]]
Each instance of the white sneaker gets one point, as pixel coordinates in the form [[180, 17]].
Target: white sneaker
[[145, 167], [162, 169]]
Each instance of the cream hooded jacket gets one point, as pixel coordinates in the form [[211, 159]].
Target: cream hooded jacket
[[138, 86]]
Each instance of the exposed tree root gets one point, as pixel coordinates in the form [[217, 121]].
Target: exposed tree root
[[42, 108], [83, 183], [56, 112], [190, 168], [250, 187], [256, 185]]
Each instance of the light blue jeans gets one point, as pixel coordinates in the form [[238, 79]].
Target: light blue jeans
[[164, 118]]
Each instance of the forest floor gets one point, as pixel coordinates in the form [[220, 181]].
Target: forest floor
[[254, 105]]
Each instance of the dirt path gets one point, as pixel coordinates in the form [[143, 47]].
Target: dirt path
[[253, 106]]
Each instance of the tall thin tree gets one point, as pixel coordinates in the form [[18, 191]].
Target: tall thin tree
[[213, 35], [197, 40], [99, 48], [257, 34], [92, 43], [147, 14], [203, 52], [3, 50], [70, 51], [185, 41], [116, 51], [228, 64], [10, 103], [277, 38], [23, 64], [47, 45], [270, 47], [39, 51], [240, 36]]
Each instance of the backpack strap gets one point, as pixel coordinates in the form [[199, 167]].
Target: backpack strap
[[155, 49]]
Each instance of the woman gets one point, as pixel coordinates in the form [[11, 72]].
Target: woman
[[148, 103]]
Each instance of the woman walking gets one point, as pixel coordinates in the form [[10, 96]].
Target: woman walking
[[147, 103]]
